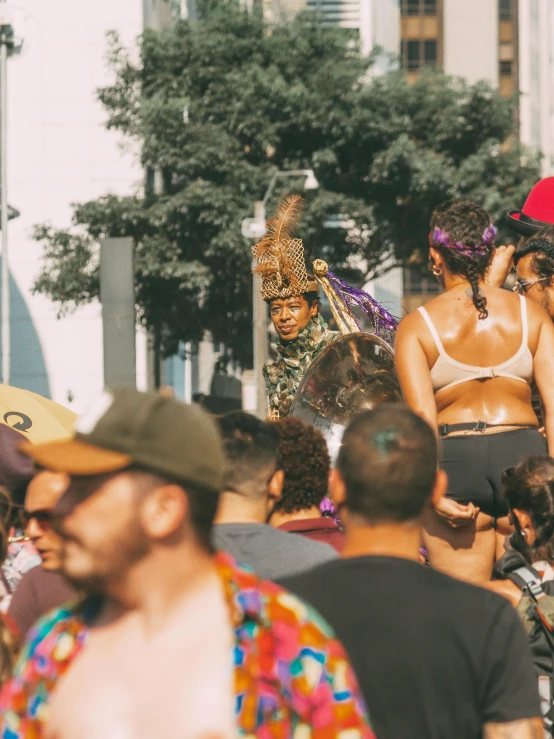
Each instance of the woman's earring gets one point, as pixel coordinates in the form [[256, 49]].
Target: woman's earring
[[524, 533], [437, 271]]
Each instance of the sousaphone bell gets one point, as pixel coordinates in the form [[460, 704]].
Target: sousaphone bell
[[354, 373]]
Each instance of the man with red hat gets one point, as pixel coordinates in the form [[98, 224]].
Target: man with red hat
[[538, 210], [534, 256]]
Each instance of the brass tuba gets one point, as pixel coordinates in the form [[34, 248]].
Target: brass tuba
[[354, 373]]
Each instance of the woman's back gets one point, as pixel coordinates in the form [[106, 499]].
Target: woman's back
[[465, 364], [483, 342], [480, 366]]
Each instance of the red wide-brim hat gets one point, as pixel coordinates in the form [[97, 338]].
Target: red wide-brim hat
[[538, 211]]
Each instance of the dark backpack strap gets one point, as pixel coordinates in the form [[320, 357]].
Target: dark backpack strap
[[528, 579]]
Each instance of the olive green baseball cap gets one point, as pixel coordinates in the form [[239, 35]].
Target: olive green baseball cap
[[128, 428]]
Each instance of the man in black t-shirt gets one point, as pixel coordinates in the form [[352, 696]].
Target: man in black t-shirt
[[436, 658]]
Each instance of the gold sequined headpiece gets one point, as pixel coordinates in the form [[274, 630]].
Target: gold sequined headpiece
[[280, 257]]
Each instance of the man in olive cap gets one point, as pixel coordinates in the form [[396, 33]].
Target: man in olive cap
[[179, 642]]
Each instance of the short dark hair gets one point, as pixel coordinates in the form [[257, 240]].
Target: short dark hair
[[202, 504], [251, 447], [388, 461], [465, 223], [541, 246], [304, 458], [203, 507], [310, 297], [529, 487]]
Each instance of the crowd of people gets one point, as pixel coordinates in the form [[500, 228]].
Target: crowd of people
[[172, 573]]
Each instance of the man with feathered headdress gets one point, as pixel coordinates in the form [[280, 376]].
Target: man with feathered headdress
[[293, 306]]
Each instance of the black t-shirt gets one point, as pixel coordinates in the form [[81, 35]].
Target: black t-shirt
[[435, 657]]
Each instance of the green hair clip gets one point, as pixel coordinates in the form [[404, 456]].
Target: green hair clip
[[384, 441]]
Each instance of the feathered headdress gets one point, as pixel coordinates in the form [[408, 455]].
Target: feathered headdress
[[283, 269], [280, 257]]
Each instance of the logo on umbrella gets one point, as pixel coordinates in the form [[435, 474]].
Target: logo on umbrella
[[24, 423]]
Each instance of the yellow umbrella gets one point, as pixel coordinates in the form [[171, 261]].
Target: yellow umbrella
[[37, 418]]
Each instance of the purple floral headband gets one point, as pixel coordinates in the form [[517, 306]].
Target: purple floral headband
[[441, 238]]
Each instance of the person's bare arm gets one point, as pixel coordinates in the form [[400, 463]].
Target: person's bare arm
[[543, 367], [527, 728], [413, 370], [501, 266]]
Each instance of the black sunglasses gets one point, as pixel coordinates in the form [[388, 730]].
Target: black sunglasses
[[42, 517], [523, 286]]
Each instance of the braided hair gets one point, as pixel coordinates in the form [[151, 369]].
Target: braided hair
[[529, 487], [463, 235]]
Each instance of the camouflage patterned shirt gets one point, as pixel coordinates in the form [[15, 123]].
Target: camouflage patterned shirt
[[283, 377]]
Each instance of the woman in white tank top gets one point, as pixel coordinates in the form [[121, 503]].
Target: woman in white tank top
[[466, 363]]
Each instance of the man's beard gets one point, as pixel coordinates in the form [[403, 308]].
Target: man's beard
[[116, 561]]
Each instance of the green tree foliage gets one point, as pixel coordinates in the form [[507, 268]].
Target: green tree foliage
[[216, 106]]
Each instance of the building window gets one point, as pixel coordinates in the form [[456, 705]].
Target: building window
[[430, 53], [418, 7], [505, 10], [410, 55], [430, 7], [506, 68], [414, 61], [418, 53], [410, 7]]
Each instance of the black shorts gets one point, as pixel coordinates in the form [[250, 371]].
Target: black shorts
[[474, 465]]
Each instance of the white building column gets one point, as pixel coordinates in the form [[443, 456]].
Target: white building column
[[471, 39]]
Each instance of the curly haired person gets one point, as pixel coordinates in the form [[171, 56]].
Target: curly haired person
[[305, 461]]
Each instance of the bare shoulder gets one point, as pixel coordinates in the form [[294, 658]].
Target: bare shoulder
[[536, 313], [527, 728], [410, 324], [507, 589], [541, 328]]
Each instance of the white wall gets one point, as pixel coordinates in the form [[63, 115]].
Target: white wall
[[471, 39], [159, 13], [536, 77], [380, 27], [59, 153]]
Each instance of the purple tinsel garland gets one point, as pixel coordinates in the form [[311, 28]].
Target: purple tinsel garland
[[383, 322], [441, 238]]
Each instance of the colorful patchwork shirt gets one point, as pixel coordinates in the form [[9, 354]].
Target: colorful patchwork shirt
[[283, 377], [292, 678]]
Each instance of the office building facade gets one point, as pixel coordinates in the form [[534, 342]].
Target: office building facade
[[508, 43]]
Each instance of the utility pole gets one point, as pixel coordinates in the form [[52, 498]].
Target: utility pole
[[260, 329], [6, 48]]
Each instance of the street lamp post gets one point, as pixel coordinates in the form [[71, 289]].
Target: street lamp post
[[259, 307]]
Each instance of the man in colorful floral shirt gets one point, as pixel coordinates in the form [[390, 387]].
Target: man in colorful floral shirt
[[175, 642]]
